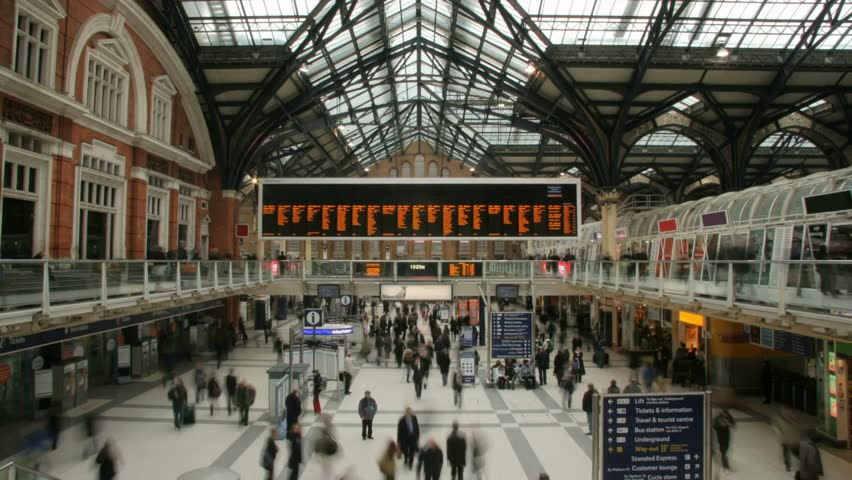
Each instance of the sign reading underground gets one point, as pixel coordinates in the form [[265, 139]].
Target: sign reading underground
[[653, 437]]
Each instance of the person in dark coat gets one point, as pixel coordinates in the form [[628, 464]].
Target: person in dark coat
[[430, 461], [578, 368], [456, 452], [317, 381], [293, 406], [213, 392], [231, 388], [408, 436], [178, 396], [398, 349], [270, 452], [295, 439], [54, 423], [542, 362], [444, 364], [367, 409], [418, 376], [722, 424], [559, 365], [588, 400], [107, 462]]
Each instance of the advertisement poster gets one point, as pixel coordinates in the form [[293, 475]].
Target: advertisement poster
[[473, 308], [468, 367]]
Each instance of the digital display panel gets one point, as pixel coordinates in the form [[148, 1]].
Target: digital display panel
[[829, 202], [714, 219], [417, 269], [461, 269], [328, 291], [418, 208], [507, 291]]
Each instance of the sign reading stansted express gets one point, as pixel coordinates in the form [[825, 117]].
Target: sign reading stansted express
[[653, 437]]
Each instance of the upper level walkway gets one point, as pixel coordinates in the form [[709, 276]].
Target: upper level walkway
[[807, 294]]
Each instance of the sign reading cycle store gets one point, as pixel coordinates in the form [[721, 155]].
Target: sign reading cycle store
[[653, 437]]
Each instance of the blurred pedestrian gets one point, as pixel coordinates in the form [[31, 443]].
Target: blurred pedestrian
[[245, 399], [295, 460], [54, 423], [107, 461], [722, 424], [213, 392], [387, 462], [542, 362], [633, 387], [91, 444], [444, 364], [567, 391], [766, 381], [278, 346], [200, 382], [588, 401], [317, 383], [367, 409], [231, 388], [408, 436], [810, 462], [418, 376], [613, 387], [456, 452], [348, 372], [430, 461], [178, 396], [458, 384], [270, 452], [293, 407]]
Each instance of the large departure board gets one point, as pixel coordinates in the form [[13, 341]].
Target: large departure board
[[417, 208]]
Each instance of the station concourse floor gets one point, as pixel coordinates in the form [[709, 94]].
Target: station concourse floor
[[526, 431]]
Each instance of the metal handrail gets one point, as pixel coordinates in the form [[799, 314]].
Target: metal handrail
[[38, 475]]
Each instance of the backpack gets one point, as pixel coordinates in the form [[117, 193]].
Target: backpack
[[250, 394], [215, 390]]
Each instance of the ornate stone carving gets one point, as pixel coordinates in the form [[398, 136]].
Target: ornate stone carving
[[27, 116], [609, 197]]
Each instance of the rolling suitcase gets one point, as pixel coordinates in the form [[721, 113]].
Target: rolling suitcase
[[189, 415]]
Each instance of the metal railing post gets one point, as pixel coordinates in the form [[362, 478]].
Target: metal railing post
[[45, 288], [618, 275], [215, 274], [230, 273], [731, 288], [178, 287], [246, 272], [690, 287], [104, 295], [636, 273], [198, 276], [600, 274], [661, 278], [145, 289], [440, 264], [784, 272]]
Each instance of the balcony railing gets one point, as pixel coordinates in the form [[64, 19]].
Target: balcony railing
[[37, 286]]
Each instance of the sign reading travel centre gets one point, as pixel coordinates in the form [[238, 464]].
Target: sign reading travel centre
[[416, 208]]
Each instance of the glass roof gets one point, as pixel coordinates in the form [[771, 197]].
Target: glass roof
[[775, 24], [391, 72]]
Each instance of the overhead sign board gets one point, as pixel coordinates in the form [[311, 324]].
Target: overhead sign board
[[417, 269], [714, 219], [467, 362], [461, 269], [416, 292], [372, 269], [653, 437], [461, 208], [669, 225], [313, 317], [511, 335], [242, 230]]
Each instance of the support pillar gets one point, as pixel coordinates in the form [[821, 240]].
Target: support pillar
[[608, 200], [223, 214]]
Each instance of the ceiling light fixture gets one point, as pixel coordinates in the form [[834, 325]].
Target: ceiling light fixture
[[561, 174], [254, 180], [367, 169], [723, 52], [530, 68], [305, 68], [472, 169]]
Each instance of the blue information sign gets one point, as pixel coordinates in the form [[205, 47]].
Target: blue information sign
[[653, 437], [511, 334], [467, 336]]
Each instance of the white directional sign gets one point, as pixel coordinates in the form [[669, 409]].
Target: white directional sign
[[346, 300], [313, 317]]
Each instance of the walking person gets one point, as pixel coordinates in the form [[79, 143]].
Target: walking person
[[200, 382], [317, 381], [457, 389], [578, 368], [107, 461], [91, 444], [367, 409], [408, 359], [293, 406], [177, 394], [348, 372], [54, 423], [722, 424], [456, 452], [613, 387], [231, 388], [278, 346], [588, 400], [398, 349], [810, 462], [567, 391], [408, 436], [430, 461], [559, 365], [213, 392], [633, 387], [444, 364], [542, 362], [295, 460], [270, 452], [387, 462], [245, 399], [418, 377]]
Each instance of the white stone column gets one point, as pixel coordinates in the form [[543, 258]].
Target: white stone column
[[608, 200]]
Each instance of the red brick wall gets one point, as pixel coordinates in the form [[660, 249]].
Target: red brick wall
[[62, 207], [137, 212], [173, 219]]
